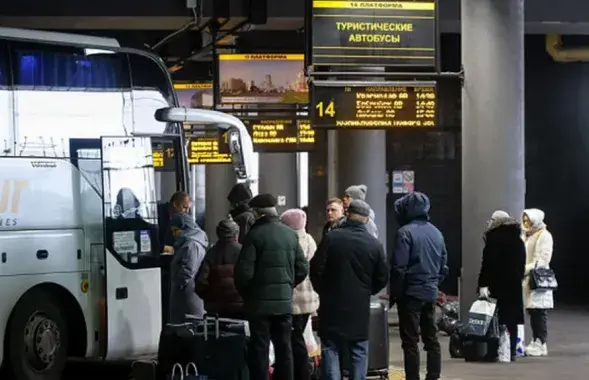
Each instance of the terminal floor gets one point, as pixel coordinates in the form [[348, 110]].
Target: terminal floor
[[568, 357]]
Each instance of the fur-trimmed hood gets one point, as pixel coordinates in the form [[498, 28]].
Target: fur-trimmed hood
[[505, 221]]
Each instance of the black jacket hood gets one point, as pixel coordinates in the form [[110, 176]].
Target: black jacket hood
[[240, 194]]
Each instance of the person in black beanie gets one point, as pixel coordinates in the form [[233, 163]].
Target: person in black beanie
[[271, 263], [241, 212]]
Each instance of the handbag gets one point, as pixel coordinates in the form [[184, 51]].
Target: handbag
[[542, 279]]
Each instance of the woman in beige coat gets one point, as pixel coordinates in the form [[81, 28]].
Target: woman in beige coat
[[304, 299], [539, 246]]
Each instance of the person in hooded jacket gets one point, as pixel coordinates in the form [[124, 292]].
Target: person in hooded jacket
[[349, 267], [304, 299], [241, 212], [359, 192], [539, 245], [502, 272], [189, 250], [418, 266], [215, 283]]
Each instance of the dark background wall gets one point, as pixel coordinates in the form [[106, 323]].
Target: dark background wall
[[557, 161]]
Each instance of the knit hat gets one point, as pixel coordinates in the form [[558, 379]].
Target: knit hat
[[499, 214], [239, 193], [357, 192], [183, 221], [227, 229], [263, 201], [359, 207], [295, 218]]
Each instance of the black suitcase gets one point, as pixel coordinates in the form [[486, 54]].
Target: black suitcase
[[378, 338], [217, 347], [144, 370]]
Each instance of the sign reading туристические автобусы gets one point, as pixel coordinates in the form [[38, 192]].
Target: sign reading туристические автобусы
[[373, 33]]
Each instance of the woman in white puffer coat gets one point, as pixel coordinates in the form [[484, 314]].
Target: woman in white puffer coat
[[539, 245], [304, 299]]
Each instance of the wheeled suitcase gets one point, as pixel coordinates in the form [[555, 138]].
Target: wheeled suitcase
[[144, 370], [378, 341], [216, 346]]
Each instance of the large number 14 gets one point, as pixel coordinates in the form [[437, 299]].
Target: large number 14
[[323, 110]]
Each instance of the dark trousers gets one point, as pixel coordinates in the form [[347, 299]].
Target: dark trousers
[[416, 316], [300, 354], [539, 324], [509, 315], [263, 329]]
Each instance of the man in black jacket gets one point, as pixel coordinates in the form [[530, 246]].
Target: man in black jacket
[[241, 212], [418, 266], [347, 269]]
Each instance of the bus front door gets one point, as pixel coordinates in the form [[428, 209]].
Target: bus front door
[[132, 286]]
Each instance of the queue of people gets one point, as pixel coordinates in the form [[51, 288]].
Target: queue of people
[[267, 269]]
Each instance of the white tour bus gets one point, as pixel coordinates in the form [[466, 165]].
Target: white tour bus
[[91, 152]]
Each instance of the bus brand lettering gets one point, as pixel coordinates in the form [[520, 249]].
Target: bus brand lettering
[[10, 199]]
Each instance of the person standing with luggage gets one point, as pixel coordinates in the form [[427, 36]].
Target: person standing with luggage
[[539, 244], [304, 299], [271, 263], [502, 272], [418, 265], [189, 250], [214, 281], [349, 267]]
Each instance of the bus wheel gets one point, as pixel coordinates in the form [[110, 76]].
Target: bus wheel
[[37, 338]]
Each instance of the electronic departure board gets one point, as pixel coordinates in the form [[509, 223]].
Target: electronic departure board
[[364, 105], [163, 156], [280, 135], [207, 149], [373, 33]]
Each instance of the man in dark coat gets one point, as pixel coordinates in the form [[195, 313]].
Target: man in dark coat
[[347, 269], [214, 282], [241, 212], [334, 210], [189, 251], [418, 265], [502, 271], [271, 263]]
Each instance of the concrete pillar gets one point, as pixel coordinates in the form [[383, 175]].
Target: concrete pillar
[[278, 176], [492, 124], [219, 181], [318, 193], [362, 160]]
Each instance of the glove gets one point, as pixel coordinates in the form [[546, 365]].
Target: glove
[[484, 292]]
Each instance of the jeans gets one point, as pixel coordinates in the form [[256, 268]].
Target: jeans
[[300, 354], [539, 324], [333, 349], [263, 329], [417, 316]]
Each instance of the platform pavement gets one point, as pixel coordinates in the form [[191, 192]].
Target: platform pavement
[[568, 355]]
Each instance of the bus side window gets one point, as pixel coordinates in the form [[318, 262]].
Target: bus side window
[[6, 122]]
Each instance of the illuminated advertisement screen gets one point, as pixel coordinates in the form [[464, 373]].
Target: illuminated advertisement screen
[[361, 106], [279, 135], [195, 95], [208, 149], [263, 78], [373, 33]]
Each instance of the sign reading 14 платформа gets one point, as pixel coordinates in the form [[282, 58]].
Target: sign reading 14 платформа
[[373, 33]]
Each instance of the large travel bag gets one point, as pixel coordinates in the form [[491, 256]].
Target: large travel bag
[[378, 343], [378, 338], [217, 347]]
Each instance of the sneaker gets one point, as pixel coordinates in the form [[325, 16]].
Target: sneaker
[[538, 349], [532, 346]]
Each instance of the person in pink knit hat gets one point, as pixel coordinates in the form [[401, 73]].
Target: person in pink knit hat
[[304, 299]]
